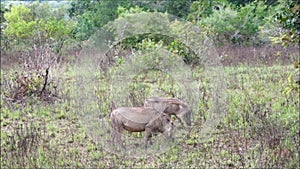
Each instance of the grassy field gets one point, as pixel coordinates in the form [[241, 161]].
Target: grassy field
[[259, 127]]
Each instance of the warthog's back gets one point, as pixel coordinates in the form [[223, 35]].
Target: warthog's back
[[138, 114]]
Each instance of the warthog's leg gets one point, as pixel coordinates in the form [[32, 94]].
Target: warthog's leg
[[117, 131], [117, 141], [113, 135], [148, 134], [116, 136]]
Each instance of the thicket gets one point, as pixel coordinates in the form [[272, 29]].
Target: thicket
[[255, 23]]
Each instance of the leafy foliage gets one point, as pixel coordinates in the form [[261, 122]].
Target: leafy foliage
[[201, 9], [240, 26], [3, 38], [123, 12], [20, 23], [288, 17], [37, 25], [180, 8], [92, 15]]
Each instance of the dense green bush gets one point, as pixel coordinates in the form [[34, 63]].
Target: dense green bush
[[237, 26], [37, 24], [287, 16], [201, 9]]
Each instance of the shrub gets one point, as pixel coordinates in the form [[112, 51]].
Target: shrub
[[34, 80]]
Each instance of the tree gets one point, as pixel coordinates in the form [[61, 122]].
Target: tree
[[21, 25], [245, 2], [92, 15], [201, 9], [179, 8], [3, 38], [288, 18], [238, 26], [37, 25]]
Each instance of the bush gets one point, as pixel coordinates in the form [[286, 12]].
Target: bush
[[34, 79], [239, 27], [37, 24]]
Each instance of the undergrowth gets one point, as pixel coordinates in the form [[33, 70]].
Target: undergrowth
[[260, 128]]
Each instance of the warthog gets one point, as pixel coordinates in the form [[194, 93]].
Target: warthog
[[171, 106], [138, 119]]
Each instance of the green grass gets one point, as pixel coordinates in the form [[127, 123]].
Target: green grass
[[259, 130]]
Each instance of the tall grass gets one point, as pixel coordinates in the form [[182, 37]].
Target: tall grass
[[260, 128]]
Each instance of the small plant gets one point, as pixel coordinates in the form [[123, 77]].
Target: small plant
[[34, 81]]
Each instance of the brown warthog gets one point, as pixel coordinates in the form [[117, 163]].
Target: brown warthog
[[171, 106], [137, 119]]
